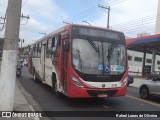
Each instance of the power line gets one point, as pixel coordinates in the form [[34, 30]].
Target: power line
[[91, 10], [139, 20], [128, 25], [24, 3], [86, 13]]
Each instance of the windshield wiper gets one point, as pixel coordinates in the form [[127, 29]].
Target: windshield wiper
[[79, 57], [110, 51], [94, 46]]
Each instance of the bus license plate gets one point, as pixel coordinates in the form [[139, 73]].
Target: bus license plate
[[102, 95]]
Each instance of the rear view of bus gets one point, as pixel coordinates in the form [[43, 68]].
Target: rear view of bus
[[96, 63]]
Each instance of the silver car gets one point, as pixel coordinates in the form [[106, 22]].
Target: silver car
[[150, 88]]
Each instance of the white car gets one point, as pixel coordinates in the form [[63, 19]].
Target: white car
[[150, 88]]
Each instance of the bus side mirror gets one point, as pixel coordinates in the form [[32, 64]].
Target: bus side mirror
[[66, 46]]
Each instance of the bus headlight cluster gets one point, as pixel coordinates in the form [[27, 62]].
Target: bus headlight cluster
[[76, 82], [124, 82]]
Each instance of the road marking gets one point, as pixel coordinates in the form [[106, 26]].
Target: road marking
[[145, 101], [105, 106]]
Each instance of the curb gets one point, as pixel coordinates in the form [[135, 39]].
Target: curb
[[32, 104]]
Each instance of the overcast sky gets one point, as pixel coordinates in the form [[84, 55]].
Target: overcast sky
[[128, 16]]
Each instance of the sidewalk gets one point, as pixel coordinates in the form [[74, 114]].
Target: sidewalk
[[21, 105], [137, 82]]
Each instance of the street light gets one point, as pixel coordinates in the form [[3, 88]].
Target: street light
[[65, 22], [87, 23], [42, 33]]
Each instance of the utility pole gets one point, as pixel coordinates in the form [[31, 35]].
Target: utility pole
[[9, 58], [108, 8]]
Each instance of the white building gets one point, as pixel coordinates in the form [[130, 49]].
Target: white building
[[135, 62]]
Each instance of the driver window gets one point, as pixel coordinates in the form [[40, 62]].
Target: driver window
[[49, 48], [56, 45]]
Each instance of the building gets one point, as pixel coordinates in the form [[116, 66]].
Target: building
[[135, 62]]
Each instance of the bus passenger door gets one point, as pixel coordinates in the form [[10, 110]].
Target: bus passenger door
[[65, 65], [42, 61]]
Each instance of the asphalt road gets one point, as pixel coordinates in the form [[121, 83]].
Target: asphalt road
[[49, 102]]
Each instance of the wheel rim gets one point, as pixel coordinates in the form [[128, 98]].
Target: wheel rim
[[144, 93]]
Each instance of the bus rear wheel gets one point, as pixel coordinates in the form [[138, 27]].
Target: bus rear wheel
[[35, 78], [55, 88]]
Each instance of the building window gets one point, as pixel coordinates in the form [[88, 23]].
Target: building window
[[130, 58], [138, 59], [158, 62], [148, 60]]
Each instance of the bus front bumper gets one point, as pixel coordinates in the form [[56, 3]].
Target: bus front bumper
[[76, 92]]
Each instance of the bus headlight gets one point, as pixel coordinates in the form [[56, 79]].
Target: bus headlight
[[76, 82], [124, 82]]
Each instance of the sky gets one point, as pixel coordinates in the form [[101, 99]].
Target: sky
[[128, 16]]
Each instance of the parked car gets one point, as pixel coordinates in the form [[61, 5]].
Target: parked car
[[152, 75], [130, 79], [150, 88]]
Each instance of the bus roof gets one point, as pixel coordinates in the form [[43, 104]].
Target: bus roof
[[68, 27]]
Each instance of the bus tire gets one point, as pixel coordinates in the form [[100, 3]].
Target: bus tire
[[34, 77], [54, 86]]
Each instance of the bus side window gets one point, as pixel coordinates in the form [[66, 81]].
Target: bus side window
[[49, 48], [39, 50], [46, 48], [34, 49], [57, 45], [43, 44], [53, 42], [53, 46]]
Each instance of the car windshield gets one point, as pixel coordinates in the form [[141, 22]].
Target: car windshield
[[98, 57]]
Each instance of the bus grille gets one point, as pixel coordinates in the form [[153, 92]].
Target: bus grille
[[94, 78]]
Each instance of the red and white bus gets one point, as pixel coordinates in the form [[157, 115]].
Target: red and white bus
[[81, 61]]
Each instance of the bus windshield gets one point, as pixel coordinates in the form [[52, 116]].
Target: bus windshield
[[98, 57]]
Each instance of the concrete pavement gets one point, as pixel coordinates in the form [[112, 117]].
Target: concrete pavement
[[137, 82]]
